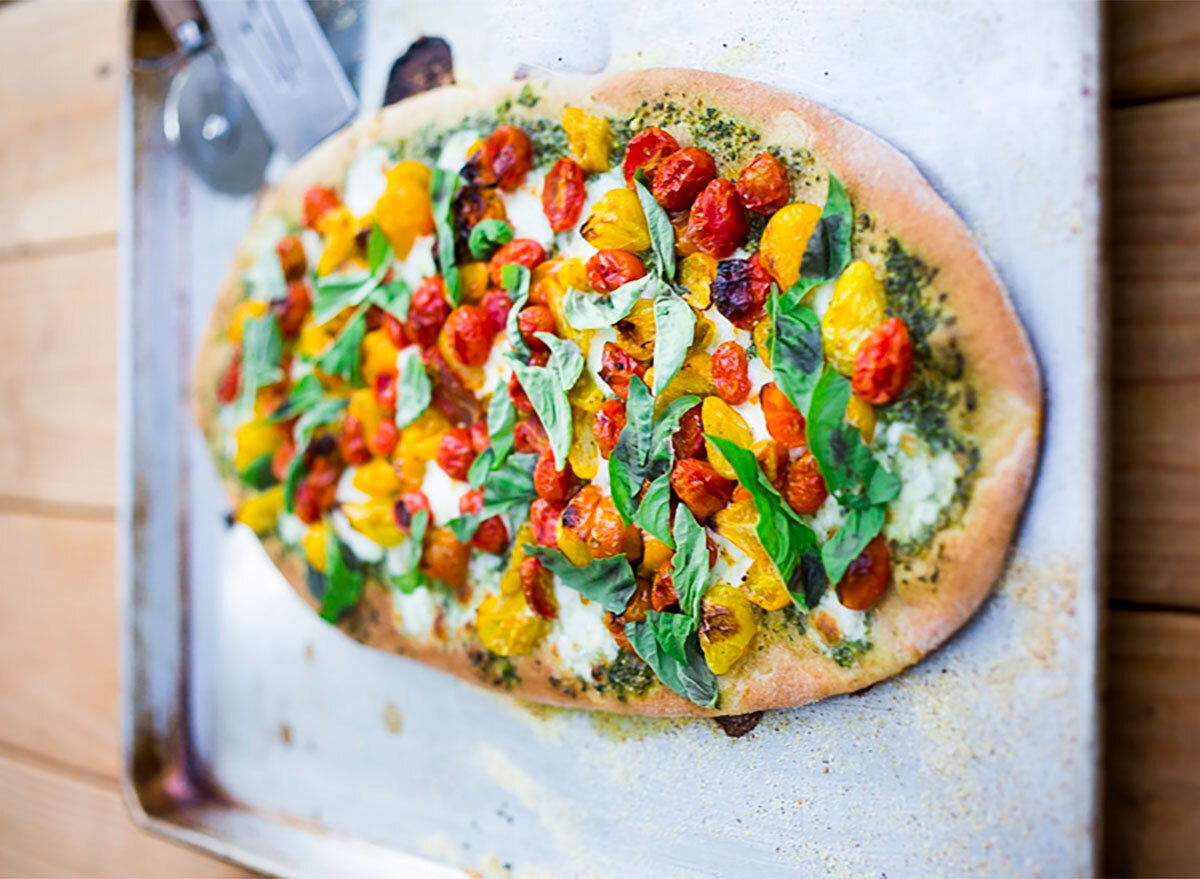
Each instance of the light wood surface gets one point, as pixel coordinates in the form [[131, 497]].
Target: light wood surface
[[60, 810]]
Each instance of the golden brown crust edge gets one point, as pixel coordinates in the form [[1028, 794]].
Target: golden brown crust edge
[[912, 619]]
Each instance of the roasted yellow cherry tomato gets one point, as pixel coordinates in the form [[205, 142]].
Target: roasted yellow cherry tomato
[[856, 308], [246, 309], [617, 223], [785, 239], [261, 512], [589, 138], [721, 420], [696, 273], [374, 519], [507, 626], [728, 623], [253, 440], [313, 543]]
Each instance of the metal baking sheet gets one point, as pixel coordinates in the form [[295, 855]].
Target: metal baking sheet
[[254, 731]]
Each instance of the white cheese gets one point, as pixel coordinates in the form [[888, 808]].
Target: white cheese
[[443, 493], [454, 149], [414, 613], [827, 519], [419, 262], [579, 635], [366, 180], [927, 481], [601, 480], [595, 355], [752, 412], [291, 528], [726, 332], [363, 547], [496, 369], [854, 625], [525, 214], [313, 248], [732, 562], [346, 492], [758, 374], [819, 298]]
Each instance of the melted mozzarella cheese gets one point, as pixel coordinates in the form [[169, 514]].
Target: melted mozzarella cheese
[[496, 369], [419, 262], [827, 519], [751, 411], [363, 547], [854, 625], [758, 374], [366, 180], [732, 562], [346, 491], [443, 493], [927, 481], [601, 480], [595, 355], [291, 528], [819, 298], [570, 243], [525, 214], [454, 149], [579, 635], [414, 613]]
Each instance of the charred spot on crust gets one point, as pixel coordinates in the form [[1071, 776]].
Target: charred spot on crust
[[737, 725], [493, 669]]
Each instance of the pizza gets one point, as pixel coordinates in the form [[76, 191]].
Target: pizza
[[658, 393]]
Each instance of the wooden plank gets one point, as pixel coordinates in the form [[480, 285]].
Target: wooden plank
[[1153, 50], [1156, 353], [58, 655], [1153, 762], [58, 377], [60, 79], [56, 825]]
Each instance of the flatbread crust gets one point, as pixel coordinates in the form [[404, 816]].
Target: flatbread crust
[[915, 616]]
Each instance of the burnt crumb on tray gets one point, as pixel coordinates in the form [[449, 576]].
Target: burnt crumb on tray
[[426, 65], [737, 725]]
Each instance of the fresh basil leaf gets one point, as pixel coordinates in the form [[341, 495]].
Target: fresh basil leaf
[[609, 581], [501, 419], [394, 297], [544, 388], [414, 390], [662, 452], [627, 462], [796, 353], [291, 479], [595, 311], [344, 356], [345, 584], [335, 293], [849, 468], [443, 185], [674, 326], [662, 233], [404, 562], [829, 247], [378, 249], [850, 540], [258, 474], [507, 488], [515, 280], [788, 541], [654, 512], [262, 348], [566, 359], [322, 412], [672, 631], [303, 395], [487, 235], [689, 565], [691, 679]]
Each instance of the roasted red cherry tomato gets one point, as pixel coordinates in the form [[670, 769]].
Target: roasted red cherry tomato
[[385, 391], [739, 291], [805, 486], [646, 150], [317, 491], [471, 206], [543, 519], [703, 489], [535, 319], [383, 441], [352, 444], [480, 439], [608, 424], [538, 585], [522, 251], [318, 201], [427, 312], [867, 577], [450, 396], [492, 534], [550, 482], [563, 194], [784, 421], [455, 454], [519, 397], [688, 440], [292, 309], [231, 379], [681, 176], [884, 363], [609, 269], [470, 334], [617, 366], [717, 224], [496, 304], [292, 258], [408, 505], [763, 185], [730, 373], [530, 436], [503, 159], [445, 558], [662, 591]]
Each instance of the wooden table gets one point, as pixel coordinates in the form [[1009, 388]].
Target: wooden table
[[60, 808]]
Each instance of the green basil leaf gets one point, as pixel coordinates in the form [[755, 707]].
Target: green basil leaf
[[303, 395], [609, 582], [662, 452], [258, 474], [689, 565], [674, 326], [543, 386], [487, 235], [344, 356], [414, 390], [378, 249], [345, 584], [662, 233], [566, 359], [501, 419], [692, 679], [404, 562], [850, 540], [829, 247], [291, 479], [515, 280], [262, 348], [334, 293], [443, 185], [393, 297], [849, 468], [507, 488], [672, 631], [322, 412], [789, 543], [627, 462], [654, 512], [595, 311], [796, 352]]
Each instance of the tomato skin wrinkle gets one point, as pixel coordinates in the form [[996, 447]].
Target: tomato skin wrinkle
[[883, 365], [730, 373], [763, 185], [646, 150], [609, 269], [563, 194]]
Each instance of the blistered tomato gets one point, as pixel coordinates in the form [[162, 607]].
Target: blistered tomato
[[688, 441], [408, 505], [543, 518], [739, 291], [867, 577], [522, 251], [763, 185], [717, 224], [702, 488], [563, 194], [805, 487], [550, 482], [445, 558], [646, 150], [503, 159], [681, 176], [292, 259], [427, 312], [617, 366], [455, 453], [538, 585], [884, 363], [470, 334], [608, 424], [318, 201], [730, 373], [784, 421], [609, 269]]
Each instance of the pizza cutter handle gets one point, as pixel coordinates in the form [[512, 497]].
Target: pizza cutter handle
[[182, 20]]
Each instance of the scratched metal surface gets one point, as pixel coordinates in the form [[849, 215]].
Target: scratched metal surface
[[324, 756]]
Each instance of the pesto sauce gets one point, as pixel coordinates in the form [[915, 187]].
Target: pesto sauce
[[496, 670], [847, 653], [627, 675]]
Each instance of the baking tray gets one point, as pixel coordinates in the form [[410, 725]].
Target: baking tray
[[256, 732]]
